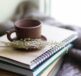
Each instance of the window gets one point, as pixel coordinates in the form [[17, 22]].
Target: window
[[65, 11], [45, 6]]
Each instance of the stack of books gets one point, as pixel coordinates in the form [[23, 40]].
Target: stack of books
[[43, 62]]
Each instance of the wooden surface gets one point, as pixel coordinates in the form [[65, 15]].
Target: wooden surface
[[7, 73]]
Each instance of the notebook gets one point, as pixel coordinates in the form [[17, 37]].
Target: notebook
[[32, 59], [38, 70]]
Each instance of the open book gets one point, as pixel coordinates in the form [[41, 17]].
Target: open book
[[33, 58]]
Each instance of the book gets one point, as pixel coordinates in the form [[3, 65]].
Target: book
[[32, 59], [37, 71], [53, 68], [47, 71]]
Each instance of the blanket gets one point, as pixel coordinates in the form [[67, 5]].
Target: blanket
[[71, 65]]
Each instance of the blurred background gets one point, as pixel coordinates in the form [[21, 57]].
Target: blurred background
[[64, 11]]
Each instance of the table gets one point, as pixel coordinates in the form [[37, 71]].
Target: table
[[7, 73]]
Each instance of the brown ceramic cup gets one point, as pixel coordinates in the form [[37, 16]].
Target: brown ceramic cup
[[26, 28]]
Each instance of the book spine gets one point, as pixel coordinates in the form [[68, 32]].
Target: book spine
[[52, 51]]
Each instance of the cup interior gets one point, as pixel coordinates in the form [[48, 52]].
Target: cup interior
[[27, 23]]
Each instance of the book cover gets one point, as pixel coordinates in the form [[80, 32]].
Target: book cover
[[33, 58], [37, 71]]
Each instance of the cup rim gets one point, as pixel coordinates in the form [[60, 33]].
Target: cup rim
[[18, 21]]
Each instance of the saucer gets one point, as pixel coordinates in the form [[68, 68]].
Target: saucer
[[35, 44]]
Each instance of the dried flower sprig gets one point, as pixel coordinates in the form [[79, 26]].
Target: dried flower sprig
[[30, 43], [27, 44]]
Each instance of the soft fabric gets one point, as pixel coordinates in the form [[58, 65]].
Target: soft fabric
[[72, 61], [71, 65]]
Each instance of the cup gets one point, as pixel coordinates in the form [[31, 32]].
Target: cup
[[26, 28]]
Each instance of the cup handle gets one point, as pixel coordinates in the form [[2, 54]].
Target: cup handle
[[9, 35]]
